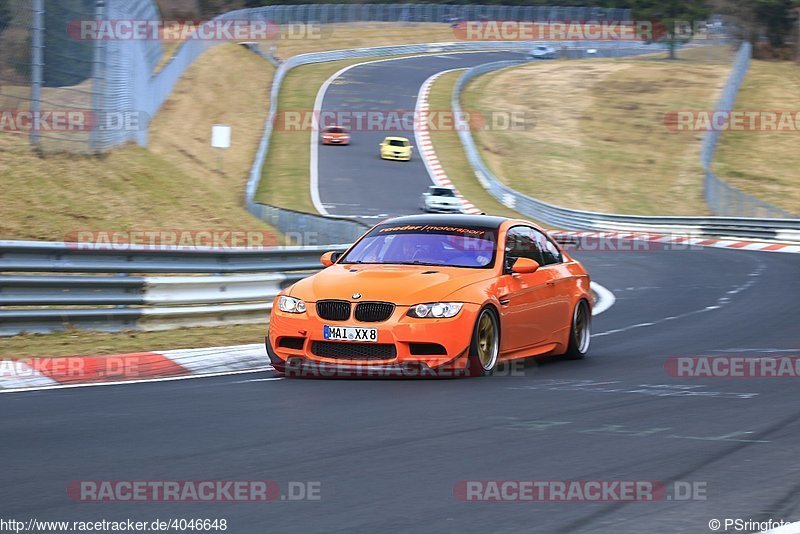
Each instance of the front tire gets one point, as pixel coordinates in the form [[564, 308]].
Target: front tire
[[580, 333], [484, 349]]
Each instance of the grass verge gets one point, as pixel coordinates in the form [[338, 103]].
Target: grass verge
[[599, 141], [172, 185], [765, 164]]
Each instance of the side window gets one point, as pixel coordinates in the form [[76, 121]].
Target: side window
[[550, 252], [521, 243]]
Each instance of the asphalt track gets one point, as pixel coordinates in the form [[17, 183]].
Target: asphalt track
[[353, 180], [389, 453]]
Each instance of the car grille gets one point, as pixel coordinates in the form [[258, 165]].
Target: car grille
[[292, 343], [373, 312], [333, 310], [353, 351]]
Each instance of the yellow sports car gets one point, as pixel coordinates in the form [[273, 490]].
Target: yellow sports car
[[397, 148]]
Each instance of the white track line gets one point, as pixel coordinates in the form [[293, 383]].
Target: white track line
[[788, 528], [314, 141], [605, 299]]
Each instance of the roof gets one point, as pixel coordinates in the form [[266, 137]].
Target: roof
[[390, 138], [482, 221]]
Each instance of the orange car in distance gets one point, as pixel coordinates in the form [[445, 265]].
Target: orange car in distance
[[335, 135], [439, 295]]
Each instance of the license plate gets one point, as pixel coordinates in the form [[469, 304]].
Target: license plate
[[346, 333]]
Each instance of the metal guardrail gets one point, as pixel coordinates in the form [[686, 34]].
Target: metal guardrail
[[48, 68], [332, 229], [721, 197], [126, 300], [785, 229]]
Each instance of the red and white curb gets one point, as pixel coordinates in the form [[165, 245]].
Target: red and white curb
[[75, 371], [33, 374], [422, 135], [604, 241], [439, 177]]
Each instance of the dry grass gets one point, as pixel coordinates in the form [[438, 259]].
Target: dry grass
[[360, 35], [227, 85], [765, 164], [599, 141], [173, 185], [99, 343]]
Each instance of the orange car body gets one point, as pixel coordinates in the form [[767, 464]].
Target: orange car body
[[335, 135], [535, 309]]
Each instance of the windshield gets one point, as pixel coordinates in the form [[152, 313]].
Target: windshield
[[397, 142], [334, 130], [450, 246], [442, 192]]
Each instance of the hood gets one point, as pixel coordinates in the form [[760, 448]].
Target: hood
[[404, 285]]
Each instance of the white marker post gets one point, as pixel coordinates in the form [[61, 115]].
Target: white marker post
[[220, 139]]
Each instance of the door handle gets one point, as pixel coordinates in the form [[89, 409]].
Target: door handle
[[550, 283]]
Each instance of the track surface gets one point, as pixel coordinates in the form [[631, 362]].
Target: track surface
[[353, 180], [389, 453]]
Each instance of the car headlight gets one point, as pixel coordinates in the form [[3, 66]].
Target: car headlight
[[435, 310], [291, 305]]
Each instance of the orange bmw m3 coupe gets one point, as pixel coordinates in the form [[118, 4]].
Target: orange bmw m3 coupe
[[439, 295]]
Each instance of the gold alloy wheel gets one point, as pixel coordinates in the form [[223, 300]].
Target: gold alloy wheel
[[582, 328], [487, 340]]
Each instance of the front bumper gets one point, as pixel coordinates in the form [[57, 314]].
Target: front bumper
[[443, 208], [406, 334], [336, 141], [395, 157]]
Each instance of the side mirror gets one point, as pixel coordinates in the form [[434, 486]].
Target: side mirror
[[524, 266], [329, 258]]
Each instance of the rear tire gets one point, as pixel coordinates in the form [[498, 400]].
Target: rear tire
[[580, 332], [484, 349]]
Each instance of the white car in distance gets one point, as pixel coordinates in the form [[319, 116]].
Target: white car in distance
[[441, 200], [542, 52]]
